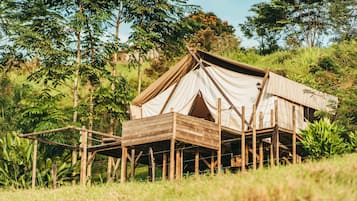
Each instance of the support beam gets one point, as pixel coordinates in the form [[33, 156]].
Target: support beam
[[294, 135], [246, 154], [83, 173], [181, 163], [261, 154], [172, 160], [212, 163], [219, 122], [254, 140], [271, 148], [74, 161], [172, 148], [164, 166], [197, 162], [54, 175], [124, 157], [109, 169], [276, 133], [178, 164], [34, 163], [243, 140], [152, 162], [132, 165]]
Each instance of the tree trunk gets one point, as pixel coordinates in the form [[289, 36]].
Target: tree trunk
[[75, 87]]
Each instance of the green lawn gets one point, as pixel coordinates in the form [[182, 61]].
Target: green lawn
[[332, 179]]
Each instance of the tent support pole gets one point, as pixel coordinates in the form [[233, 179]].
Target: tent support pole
[[34, 163], [219, 122], [254, 146], [294, 136], [243, 141]]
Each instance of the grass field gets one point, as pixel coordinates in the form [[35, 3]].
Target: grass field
[[332, 179]]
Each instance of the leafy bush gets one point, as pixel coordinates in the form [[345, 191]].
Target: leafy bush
[[324, 139], [16, 164]]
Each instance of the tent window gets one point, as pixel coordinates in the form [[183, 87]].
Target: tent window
[[309, 114], [199, 109]]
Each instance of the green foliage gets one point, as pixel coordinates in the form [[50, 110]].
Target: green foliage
[[16, 166], [324, 139], [266, 25]]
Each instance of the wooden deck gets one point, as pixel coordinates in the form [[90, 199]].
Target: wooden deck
[[187, 129]]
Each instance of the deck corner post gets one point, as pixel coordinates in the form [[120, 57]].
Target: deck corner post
[[276, 133], [34, 163], [219, 121], [254, 140], [243, 140], [294, 135], [83, 173], [124, 157], [172, 148]]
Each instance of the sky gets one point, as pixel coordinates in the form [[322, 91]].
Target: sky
[[232, 11]]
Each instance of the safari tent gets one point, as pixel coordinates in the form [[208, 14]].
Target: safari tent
[[209, 103]]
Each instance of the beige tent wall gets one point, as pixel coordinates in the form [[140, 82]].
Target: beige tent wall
[[299, 93], [285, 108]]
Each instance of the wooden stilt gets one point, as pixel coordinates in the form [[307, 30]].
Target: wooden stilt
[[261, 154], [246, 154], [109, 168], [89, 163], [34, 163], [178, 164], [83, 173], [152, 162], [271, 139], [197, 162], [132, 165], [243, 140], [172, 160], [219, 121], [124, 157], [181, 163], [254, 140], [294, 136], [54, 175], [271, 152], [276, 133], [74, 161], [212, 163], [164, 166]]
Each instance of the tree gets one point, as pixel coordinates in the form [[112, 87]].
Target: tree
[[152, 28], [266, 25], [208, 32], [343, 19]]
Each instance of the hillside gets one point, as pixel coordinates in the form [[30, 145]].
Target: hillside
[[330, 179]]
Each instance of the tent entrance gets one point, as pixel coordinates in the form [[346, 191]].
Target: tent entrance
[[199, 108]]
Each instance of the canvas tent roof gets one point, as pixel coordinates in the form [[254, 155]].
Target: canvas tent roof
[[235, 83], [186, 64]]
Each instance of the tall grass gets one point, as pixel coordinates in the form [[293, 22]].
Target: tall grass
[[330, 179]]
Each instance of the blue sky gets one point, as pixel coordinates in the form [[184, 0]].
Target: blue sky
[[232, 11]]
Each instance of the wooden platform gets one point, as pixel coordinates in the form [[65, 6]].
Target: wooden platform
[[164, 127]]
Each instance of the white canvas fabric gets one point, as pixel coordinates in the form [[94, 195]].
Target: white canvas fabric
[[240, 88]]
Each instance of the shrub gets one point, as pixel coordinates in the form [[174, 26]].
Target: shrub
[[324, 139]]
